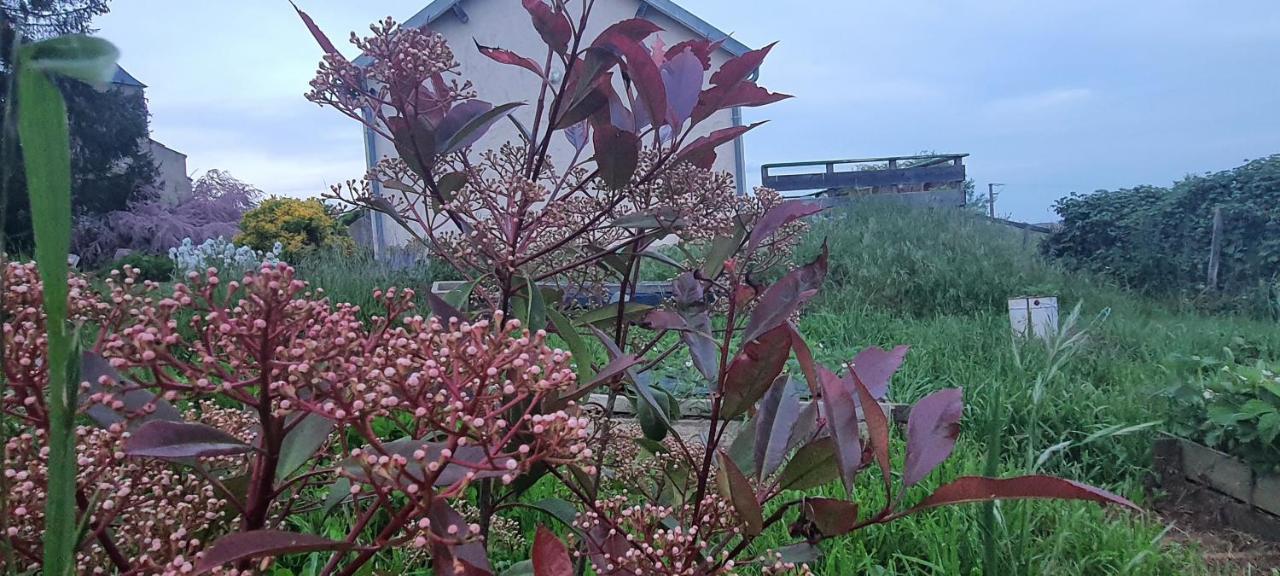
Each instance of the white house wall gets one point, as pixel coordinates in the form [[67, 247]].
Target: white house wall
[[505, 24]]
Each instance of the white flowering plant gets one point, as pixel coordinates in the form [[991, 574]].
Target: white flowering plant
[[222, 254]]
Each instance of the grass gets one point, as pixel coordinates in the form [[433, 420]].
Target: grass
[[939, 280]]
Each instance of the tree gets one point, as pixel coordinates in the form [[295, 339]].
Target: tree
[[111, 163]]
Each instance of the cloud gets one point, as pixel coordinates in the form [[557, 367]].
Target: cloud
[[1038, 102]]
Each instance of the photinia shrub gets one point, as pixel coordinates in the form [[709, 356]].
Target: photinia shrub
[[215, 412]]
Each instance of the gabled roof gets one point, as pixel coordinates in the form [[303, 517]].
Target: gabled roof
[[669, 8], [123, 78]]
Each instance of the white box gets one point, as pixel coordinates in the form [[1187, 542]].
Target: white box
[[1039, 313]]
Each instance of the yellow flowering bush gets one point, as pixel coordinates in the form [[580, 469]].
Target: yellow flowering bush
[[298, 225]]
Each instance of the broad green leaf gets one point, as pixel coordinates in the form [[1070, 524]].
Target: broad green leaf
[[742, 496], [582, 355], [610, 312], [84, 58], [300, 445], [477, 126], [813, 465]]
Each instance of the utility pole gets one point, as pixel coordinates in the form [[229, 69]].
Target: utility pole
[[991, 198]]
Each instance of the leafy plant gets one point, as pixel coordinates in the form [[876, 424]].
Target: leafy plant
[[297, 226], [219, 253], [1157, 239], [1230, 405], [153, 268], [213, 210]]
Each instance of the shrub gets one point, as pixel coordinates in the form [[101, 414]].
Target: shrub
[[1157, 239], [1229, 404], [298, 226], [149, 267], [220, 254], [213, 210]]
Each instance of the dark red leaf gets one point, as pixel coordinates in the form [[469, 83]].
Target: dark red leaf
[[979, 489], [633, 30], [239, 546], [813, 465], [603, 543], [140, 405], [586, 86], [780, 216], [466, 559], [804, 357], [832, 517], [415, 142], [702, 151], [753, 370], [875, 367], [617, 154], [877, 430], [682, 78], [467, 122], [552, 25], [743, 497], [644, 74], [593, 102], [662, 319], [932, 429], [745, 94], [703, 349], [842, 419], [700, 47], [444, 310], [775, 422], [305, 438], [504, 56], [785, 296], [687, 290], [550, 558], [177, 440], [316, 32], [619, 116], [739, 68]]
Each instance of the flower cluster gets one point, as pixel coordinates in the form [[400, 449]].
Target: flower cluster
[[222, 254]]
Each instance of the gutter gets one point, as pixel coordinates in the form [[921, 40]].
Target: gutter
[[371, 158]]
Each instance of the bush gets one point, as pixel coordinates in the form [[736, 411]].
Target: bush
[[1230, 404], [213, 210], [299, 226], [219, 253], [150, 267], [1157, 239]]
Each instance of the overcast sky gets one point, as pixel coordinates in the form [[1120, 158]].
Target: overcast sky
[[1048, 97]]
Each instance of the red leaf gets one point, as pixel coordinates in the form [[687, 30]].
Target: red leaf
[[842, 419], [804, 357], [140, 405], [665, 320], [743, 497], [700, 47], [504, 56], [176, 440], [746, 94], [875, 367], [738, 69], [239, 546], [552, 25], [617, 154], [979, 489], [780, 216], [832, 517], [779, 413], [634, 30], [642, 72], [932, 429], [470, 557], [316, 32], [784, 297], [682, 78], [703, 349], [702, 151], [877, 431], [550, 558], [753, 370]]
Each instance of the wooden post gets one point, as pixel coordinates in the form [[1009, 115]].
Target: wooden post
[[1215, 249], [991, 199]]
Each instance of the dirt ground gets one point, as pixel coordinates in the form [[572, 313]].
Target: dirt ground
[[1230, 537]]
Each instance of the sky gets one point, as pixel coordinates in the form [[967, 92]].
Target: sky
[[1048, 98]]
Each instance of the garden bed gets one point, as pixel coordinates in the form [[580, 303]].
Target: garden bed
[[1184, 467]]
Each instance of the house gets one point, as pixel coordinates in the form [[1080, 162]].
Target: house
[[172, 179], [505, 24]]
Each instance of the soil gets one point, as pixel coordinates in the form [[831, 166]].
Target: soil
[[1203, 517]]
